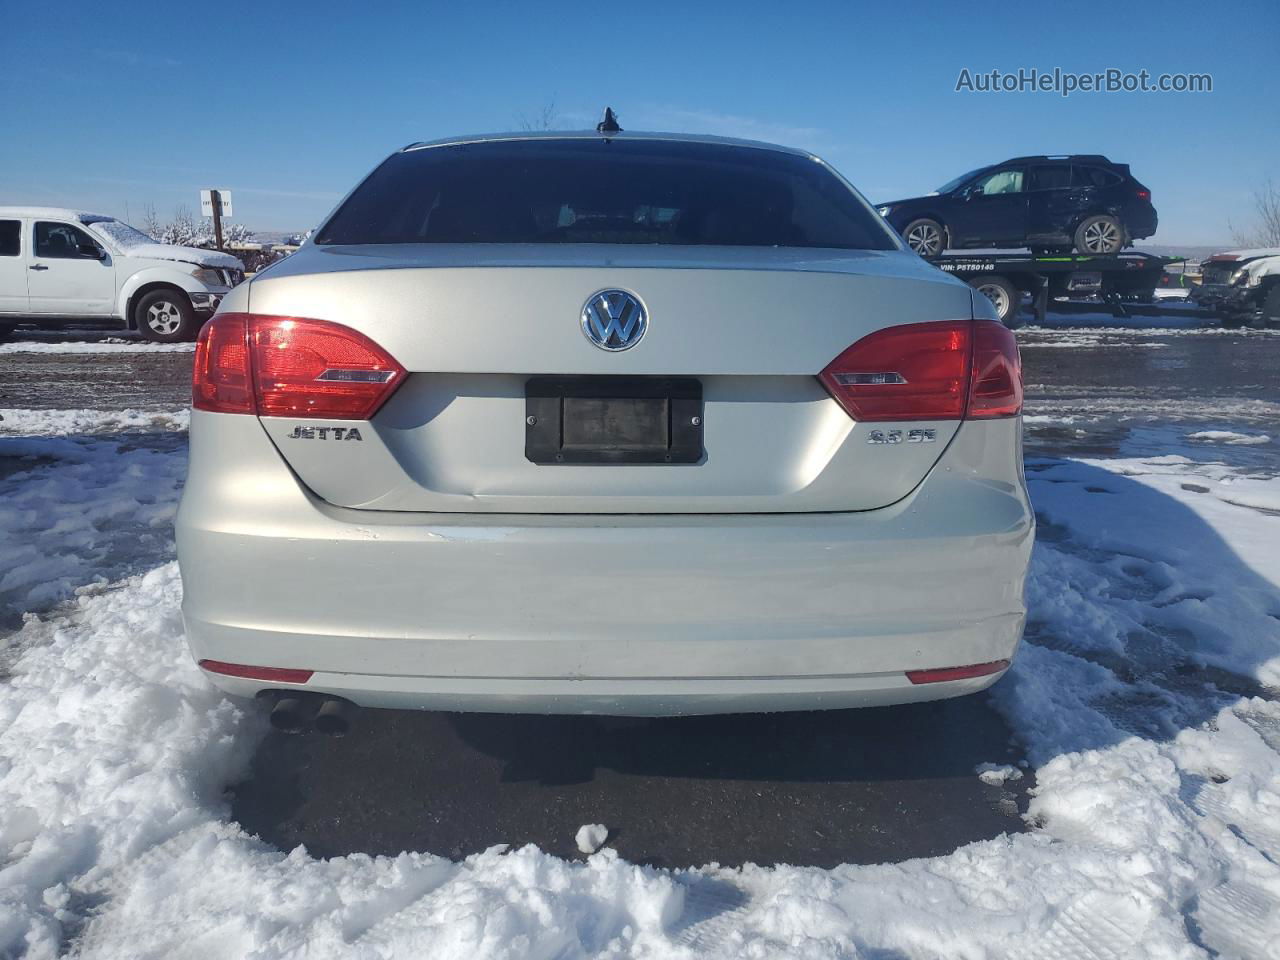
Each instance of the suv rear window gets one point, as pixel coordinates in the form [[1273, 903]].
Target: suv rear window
[[1096, 177], [599, 191]]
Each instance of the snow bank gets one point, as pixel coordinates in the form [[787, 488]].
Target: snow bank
[[80, 513], [1262, 494], [1155, 810], [1075, 339], [1124, 329], [1155, 551], [1240, 410], [1229, 436], [53, 423], [114, 755], [94, 346]]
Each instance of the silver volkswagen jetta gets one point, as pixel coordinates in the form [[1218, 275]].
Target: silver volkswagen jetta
[[618, 424]]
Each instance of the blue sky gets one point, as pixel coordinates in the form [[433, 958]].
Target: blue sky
[[110, 107]]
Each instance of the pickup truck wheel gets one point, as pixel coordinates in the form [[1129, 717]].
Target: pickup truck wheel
[[926, 237], [1102, 234], [1004, 296], [165, 316]]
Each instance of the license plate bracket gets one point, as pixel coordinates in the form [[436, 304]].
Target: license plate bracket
[[604, 420]]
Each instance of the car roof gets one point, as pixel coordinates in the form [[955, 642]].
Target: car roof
[[52, 213], [1083, 157], [592, 135]]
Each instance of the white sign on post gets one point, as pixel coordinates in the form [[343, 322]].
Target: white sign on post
[[206, 202]]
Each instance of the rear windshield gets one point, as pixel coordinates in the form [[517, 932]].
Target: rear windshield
[[599, 191]]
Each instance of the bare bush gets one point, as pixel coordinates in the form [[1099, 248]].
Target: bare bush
[[1266, 229]]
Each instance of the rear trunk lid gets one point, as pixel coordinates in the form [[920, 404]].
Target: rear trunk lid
[[473, 324]]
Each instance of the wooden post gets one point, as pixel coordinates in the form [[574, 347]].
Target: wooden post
[[217, 217]]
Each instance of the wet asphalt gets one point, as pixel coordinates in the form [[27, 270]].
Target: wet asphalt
[[821, 788]]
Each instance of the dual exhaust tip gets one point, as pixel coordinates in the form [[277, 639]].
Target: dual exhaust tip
[[301, 712]]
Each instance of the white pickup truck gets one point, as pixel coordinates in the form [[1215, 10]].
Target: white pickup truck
[[61, 266]]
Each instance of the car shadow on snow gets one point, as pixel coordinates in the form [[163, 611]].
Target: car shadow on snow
[[1133, 581], [820, 788]]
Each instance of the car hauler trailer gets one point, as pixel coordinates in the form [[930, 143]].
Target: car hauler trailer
[[1113, 280]]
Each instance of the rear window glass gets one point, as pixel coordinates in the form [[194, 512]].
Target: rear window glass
[[1096, 177], [10, 231], [598, 191]]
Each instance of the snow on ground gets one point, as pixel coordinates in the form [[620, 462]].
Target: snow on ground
[[1127, 404], [77, 513], [109, 345], [16, 422], [1140, 695], [996, 773], [1080, 340], [1172, 316], [1229, 436], [1108, 328], [591, 837]]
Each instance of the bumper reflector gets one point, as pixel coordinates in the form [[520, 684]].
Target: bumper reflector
[[957, 673], [269, 674]]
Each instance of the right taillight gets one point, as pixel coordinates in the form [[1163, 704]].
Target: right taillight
[[996, 384], [290, 367], [929, 371]]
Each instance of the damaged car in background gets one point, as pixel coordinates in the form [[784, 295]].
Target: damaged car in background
[[59, 266], [1241, 286]]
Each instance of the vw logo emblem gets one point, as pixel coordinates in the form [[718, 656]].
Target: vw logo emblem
[[614, 320]]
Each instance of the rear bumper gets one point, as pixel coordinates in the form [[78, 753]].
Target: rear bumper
[[206, 302], [1234, 301], [1142, 223], [603, 614]]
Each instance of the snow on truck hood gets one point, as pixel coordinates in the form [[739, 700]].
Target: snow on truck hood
[[1248, 254], [202, 258]]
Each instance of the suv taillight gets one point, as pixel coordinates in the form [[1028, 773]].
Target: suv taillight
[[929, 371], [290, 367]]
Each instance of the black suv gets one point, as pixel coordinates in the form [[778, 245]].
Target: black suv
[[1049, 204]]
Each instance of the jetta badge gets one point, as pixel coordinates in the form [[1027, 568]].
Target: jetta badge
[[614, 320]]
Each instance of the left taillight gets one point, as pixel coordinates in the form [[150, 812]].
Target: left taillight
[[290, 367]]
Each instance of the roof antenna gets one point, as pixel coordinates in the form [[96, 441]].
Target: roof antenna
[[609, 125]]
